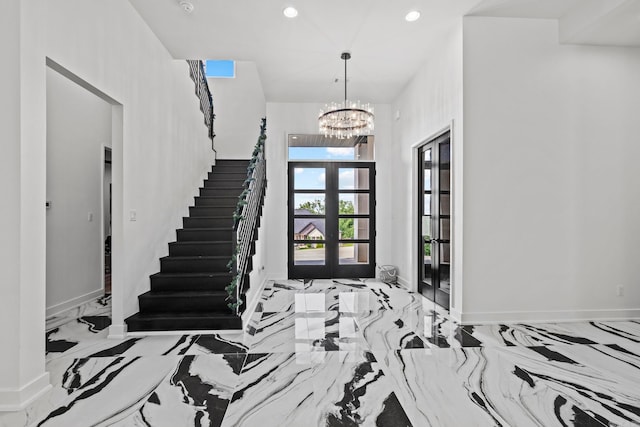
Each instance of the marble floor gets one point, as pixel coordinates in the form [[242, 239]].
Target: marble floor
[[341, 353]]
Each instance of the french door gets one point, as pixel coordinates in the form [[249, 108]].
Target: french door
[[331, 220], [434, 225]]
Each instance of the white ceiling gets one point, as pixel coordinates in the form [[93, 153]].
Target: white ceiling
[[299, 59]]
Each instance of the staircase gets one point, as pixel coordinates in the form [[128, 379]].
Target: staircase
[[189, 291]]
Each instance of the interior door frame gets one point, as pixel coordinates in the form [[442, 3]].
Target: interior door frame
[[438, 296], [332, 267]]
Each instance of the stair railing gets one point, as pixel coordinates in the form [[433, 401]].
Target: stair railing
[[246, 222], [199, 77]]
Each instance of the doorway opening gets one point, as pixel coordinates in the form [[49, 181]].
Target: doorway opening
[[84, 146], [434, 219]]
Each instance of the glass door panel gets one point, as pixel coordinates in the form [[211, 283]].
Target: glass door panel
[[434, 244], [353, 203], [353, 179], [353, 228], [425, 258], [309, 178], [354, 253]]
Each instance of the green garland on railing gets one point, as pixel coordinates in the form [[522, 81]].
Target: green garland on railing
[[237, 216]]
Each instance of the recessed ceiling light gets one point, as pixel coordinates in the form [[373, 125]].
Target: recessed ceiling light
[[412, 16], [290, 12], [186, 6]]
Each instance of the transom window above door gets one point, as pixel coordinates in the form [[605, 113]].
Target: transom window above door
[[320, 148]]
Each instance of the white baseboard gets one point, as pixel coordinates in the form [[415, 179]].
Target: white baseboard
[[117, 332], [58, 309], [251, 305], [455, 314], [489, 318], [404, 282], [16, 400]]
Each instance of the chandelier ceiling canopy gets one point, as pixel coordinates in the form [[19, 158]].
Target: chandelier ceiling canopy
[[346, 119]]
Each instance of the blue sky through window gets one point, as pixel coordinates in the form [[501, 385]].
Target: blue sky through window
[[220, 68]]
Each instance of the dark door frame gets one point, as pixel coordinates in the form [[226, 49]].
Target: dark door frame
[[432, 291], [332, 267]]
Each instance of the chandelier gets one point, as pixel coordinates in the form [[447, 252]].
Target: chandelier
[[346, 119]]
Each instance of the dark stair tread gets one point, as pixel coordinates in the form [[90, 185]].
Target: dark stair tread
[[186, 257], [192, 275], [200, 242], [212, 218], [208, 217], [217, 197], [163, 321], [194, 229], [190, 294], [183, 314]]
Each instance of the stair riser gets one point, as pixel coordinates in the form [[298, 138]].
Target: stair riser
[[203, 222], [222, 162], [174, 284], [226, 192], [183, 324], [204, 249], [211, 211], [177, 265], [196, 235], [230, 169], [215, 176], [227, 183], [159, 304], [216, 201]]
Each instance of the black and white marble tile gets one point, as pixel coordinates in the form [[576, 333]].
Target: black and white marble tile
[[390, 330], [100, 346], [601, 380], [427, 386], [118, 389], [68, 376], [197, 392], [234, 342], [555, 333], [286, 332], [442, 332], [98, 307], [342, 352], [478, 387], [76, 336], [329, 389]]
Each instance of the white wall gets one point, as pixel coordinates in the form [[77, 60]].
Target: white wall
[[430, 102], [161, 155], [551, 195], [165, 153], [22, 375], [239, 105], [287, 118], [78, 125]]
